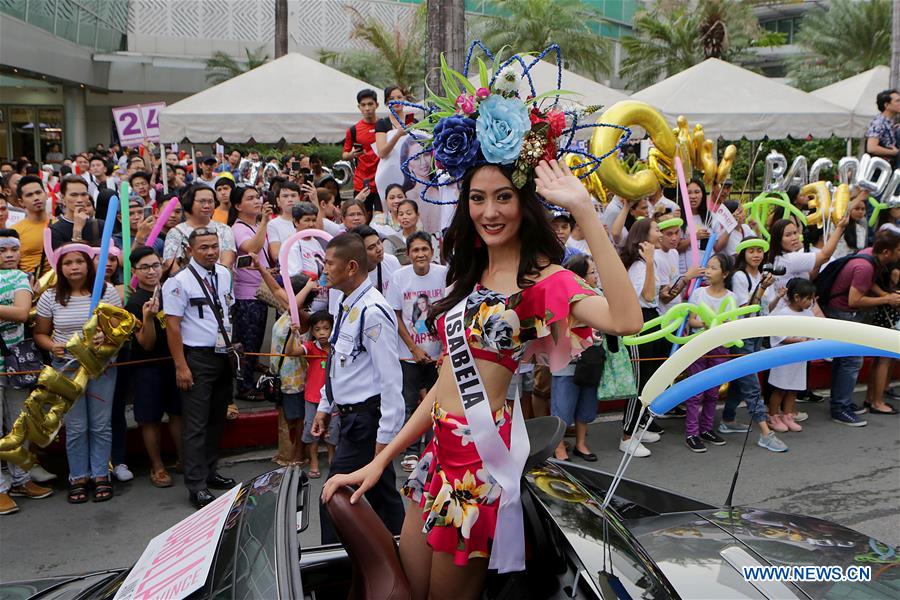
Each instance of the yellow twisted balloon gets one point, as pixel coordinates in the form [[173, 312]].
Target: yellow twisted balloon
[[45, 281], [662, 166], [47, 405]]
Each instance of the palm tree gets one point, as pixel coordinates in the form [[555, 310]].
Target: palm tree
[[221, 67], [848, 38], [532, 25], [396, 56], [672, 37]]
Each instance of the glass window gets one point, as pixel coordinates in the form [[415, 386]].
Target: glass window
[[21, 120], [51, 123], [4, 134]]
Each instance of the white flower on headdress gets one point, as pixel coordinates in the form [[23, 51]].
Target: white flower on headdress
[[508, 80]]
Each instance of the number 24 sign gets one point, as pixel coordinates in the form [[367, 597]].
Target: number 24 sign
[[138, 122]]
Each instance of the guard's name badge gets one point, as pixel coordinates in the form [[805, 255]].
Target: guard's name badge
[[221, 347]]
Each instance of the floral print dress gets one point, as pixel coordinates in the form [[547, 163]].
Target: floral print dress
[[459, 498]]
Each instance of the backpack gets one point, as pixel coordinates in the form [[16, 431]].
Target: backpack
[[827, 276]]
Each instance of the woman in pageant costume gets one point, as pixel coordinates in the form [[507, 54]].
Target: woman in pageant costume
[[509, 300]]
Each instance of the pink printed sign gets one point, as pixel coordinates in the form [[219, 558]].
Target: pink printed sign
[[138, 122], [176, 563]]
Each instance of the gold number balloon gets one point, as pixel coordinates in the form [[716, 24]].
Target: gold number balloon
[[839, 203], [708, 165], [724, 169], [820, 204], [47, 405], [684, 144], [699, 138], [615, 178], [592, 182]]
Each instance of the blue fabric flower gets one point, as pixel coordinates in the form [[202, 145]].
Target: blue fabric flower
[[501, 127], [455, 144]]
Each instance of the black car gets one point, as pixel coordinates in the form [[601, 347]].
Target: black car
[[658, 545]]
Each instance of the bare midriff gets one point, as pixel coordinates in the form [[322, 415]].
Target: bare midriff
[[495, 377]]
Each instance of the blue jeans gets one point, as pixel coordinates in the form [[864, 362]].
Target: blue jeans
[[571, 402], [746, 388], [11, 403], [844, 370], [89, 427]]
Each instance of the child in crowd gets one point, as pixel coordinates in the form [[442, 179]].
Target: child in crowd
[[701, 409], [562, 223], [787, 380], [856, 234], [573, 403], [315, 352]]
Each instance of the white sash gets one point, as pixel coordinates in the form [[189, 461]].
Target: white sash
[[504, 465]]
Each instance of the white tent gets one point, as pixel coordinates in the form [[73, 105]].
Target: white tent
[[857, 94], [294, 98], [732, 102], [544, 75]]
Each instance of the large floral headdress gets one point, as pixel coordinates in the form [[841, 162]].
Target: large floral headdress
[[491, 124]]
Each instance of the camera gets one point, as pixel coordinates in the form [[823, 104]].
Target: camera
[[770, 268]]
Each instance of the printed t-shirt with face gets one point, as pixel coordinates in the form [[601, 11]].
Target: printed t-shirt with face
[[13, 332], [306, 256], [413, 295], [666, 264]]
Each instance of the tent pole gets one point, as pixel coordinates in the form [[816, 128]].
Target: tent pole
[[165, 178], [849, 146], [193, 164]]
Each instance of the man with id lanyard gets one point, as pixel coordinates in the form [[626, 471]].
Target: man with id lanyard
[[197, 300], [362, 379]]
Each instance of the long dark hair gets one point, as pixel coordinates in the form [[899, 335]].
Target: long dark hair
[[236, 196], [631, 253], [776, 234], [63, 289], [702, 209], [740, 261], [466, 255]]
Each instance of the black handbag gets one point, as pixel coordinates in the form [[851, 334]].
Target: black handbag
[[21, 356], [270, 383], [234, 350], [589, 366]]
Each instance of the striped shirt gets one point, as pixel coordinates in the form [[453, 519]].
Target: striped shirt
[[11, 281], [69, 319]]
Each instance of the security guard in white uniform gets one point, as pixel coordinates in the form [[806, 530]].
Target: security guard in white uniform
[[202, 368], [363, 382]]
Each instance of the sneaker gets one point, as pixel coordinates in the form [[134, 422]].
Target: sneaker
[[857, 410], [893, 393], [648, 437], [800, 416], [7, 505], [654, 427], [712, 438], [630, 446], [676, 413], [810, 397], [695, 443], [776, 423], [848, 418], [734, 427], [772, 443], [122, 472], [41, 475], [30, 490], [788, 420]]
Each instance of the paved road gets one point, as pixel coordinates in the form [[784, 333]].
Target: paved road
[[849, 475]]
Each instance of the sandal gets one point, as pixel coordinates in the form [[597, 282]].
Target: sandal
[[161, 478], [78, 491], [233, 412], [314, 474], [409, 463], [103, 489]]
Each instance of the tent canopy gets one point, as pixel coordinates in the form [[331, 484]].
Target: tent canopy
[[732, 102], [294, 98], [857, 94], [544, 74]]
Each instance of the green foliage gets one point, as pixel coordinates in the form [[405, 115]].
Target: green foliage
[[394, 57], [330, 153], [848, 38], [532, 25], [672, 36], [221, 67]]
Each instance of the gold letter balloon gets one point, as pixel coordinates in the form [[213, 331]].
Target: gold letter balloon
[[47, 405]]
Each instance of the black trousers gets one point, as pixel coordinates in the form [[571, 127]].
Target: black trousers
[[415, 378], [203, 409], [655, 349], [356, 449]]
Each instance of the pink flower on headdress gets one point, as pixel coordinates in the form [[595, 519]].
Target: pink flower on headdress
[[466, 103], [557, 121], [482, 93]]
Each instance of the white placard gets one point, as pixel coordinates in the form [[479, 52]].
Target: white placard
[[150, 117], [138, 122], [176, 563], [129, 124], [725, 218]]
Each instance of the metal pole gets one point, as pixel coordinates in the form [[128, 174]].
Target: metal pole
[[165, 178]]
